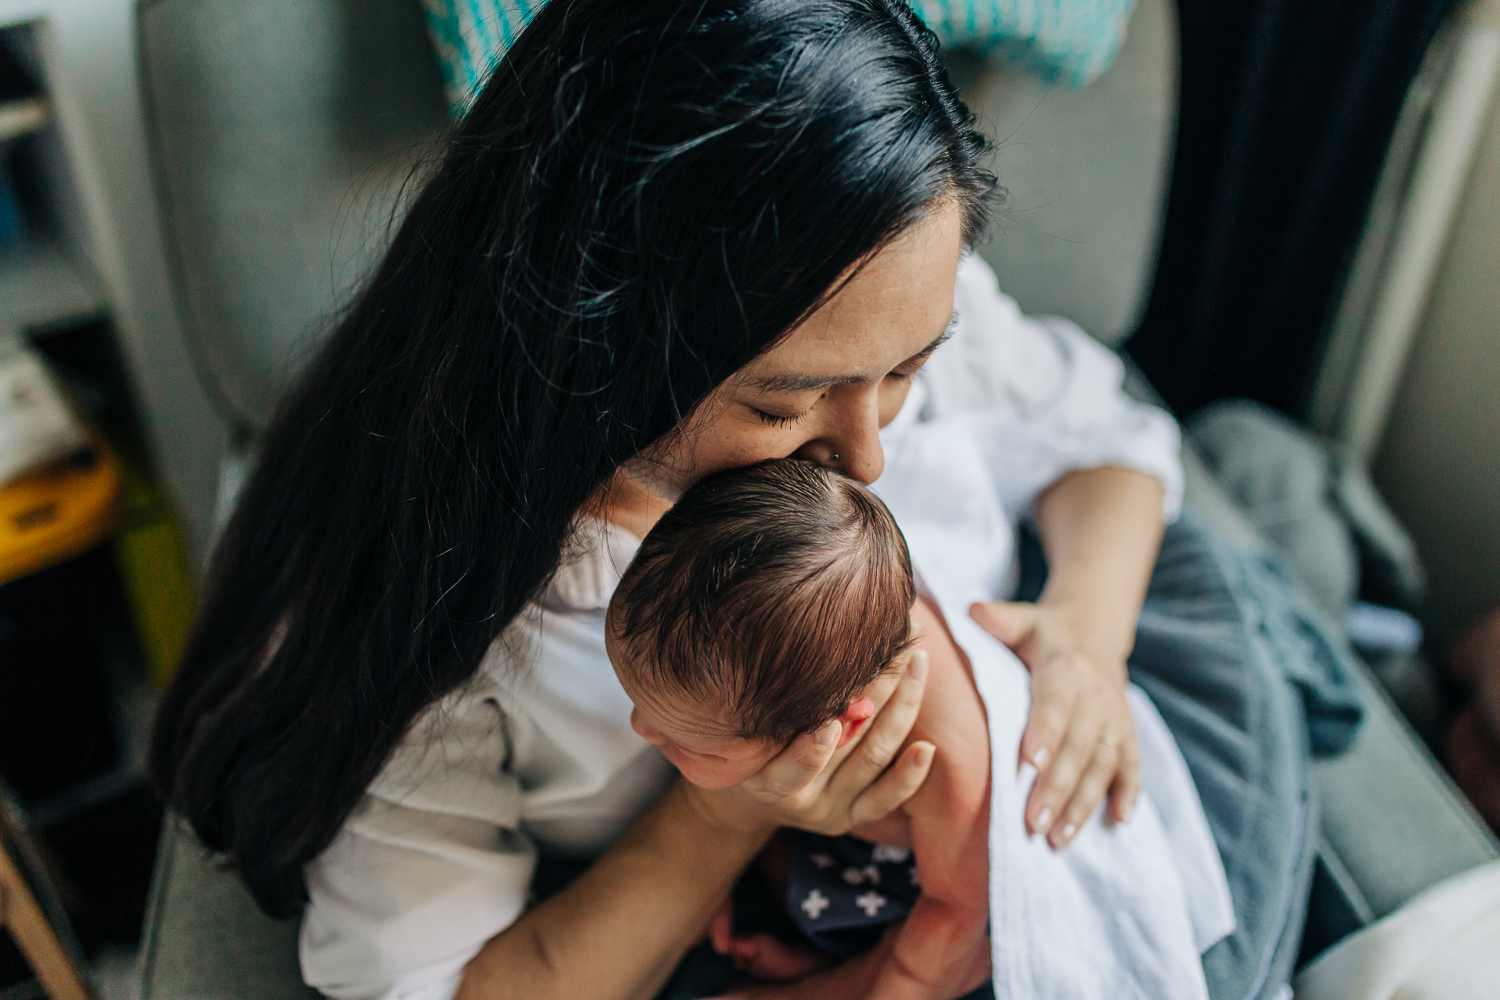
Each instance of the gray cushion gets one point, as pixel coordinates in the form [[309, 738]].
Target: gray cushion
[[1393, 824], [204, 939], [1086, 173], [1391, 814], [281, 133]]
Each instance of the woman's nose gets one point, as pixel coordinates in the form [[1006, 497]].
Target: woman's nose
[[850, 442]]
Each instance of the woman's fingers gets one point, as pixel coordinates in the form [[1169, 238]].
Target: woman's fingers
[[1055, 697], [1010, 622], [888, 731], [1058, 780], [814, 784], [1126, 787], [800, 764], [895, 786], [1095, 781]]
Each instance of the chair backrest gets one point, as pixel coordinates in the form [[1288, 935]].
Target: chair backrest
[[1086, 173], [283, 129]]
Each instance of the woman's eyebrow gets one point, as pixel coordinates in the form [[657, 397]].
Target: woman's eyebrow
[[786, 382], [921, 356]]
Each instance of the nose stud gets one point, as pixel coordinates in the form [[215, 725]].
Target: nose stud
[[836, 456]]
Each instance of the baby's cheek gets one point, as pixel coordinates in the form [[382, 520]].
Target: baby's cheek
[[710, 774]]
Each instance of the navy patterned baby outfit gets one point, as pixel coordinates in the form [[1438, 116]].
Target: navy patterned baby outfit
[[843, 891]]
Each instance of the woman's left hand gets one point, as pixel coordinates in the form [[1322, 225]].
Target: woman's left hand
[[1079, 735]]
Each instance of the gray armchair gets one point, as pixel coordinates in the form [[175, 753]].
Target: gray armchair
[[282, 133]]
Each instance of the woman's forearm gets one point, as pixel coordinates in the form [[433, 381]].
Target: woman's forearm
[[619, 930], [1101, 529]]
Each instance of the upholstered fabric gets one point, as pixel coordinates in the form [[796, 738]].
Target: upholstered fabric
[[1068, 41], [282, 132], [1085, 173], [204, 938]]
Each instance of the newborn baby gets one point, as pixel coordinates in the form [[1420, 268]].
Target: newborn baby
[[760, 607]]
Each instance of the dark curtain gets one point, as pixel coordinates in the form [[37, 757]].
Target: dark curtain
[[1287, 107]]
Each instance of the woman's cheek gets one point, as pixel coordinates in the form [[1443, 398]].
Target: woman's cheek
[[757, 443]]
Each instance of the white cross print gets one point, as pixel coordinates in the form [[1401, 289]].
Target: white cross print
[[820, 861], [888, 854], [870, 902], [872, 874], [854, 876], [814, 904]]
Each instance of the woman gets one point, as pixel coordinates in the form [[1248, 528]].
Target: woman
[[667, 239]]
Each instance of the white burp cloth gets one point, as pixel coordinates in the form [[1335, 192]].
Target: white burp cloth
[[1122, 912]]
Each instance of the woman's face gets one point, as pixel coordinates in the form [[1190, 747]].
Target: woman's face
[[829, 385]]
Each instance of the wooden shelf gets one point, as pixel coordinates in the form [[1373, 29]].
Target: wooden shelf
[[42, 288]]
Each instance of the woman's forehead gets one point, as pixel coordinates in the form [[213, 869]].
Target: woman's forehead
[[892, 309]]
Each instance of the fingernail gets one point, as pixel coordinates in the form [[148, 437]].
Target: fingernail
[[1039, 758], [918, 668], [923, 756], [1068, 832], [828, 734], [1044, 819]]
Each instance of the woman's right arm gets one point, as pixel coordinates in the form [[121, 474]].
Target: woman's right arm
[[619, 930]]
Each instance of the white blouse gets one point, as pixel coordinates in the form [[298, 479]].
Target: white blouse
[[536, 754]]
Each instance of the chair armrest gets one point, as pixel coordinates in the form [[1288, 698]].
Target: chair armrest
[[1390, 812], [204, 937]]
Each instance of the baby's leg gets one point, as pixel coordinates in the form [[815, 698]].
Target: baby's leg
[[758, 954]]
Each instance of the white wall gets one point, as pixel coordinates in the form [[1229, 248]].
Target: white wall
[[1440, 461], [89, 50]]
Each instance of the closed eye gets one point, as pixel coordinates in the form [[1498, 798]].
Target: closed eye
[[779, 419]]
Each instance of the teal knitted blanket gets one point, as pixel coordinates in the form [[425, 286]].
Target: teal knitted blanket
[[1068, 41]]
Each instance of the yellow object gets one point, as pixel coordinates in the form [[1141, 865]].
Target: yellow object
[[67, 508], [61, 511], [150, 553]]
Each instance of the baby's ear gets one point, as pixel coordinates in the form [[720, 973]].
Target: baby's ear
[[853, 719]]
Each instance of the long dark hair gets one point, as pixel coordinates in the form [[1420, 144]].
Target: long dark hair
[[644, 197]]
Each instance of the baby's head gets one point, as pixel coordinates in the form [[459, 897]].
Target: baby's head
[[759, 608]]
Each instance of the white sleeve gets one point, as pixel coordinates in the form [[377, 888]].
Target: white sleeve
[[430, 865], [1048, 373]]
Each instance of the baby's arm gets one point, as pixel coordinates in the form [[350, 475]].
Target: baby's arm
[[943, 938]]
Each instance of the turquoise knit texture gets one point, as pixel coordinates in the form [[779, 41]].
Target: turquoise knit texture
[[1067, 41]]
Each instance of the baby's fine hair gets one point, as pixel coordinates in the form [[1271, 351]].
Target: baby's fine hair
[[774, 593]]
